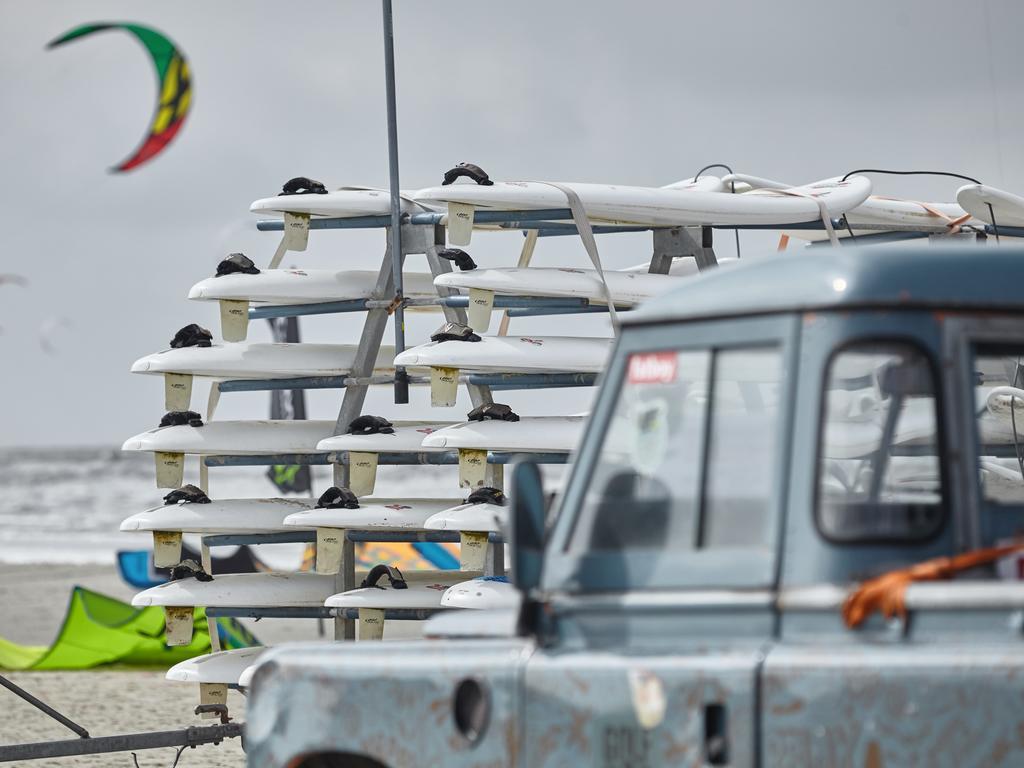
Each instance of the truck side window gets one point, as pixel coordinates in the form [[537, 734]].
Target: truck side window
[[999, 405], [658, 482], [741, 443], [879, 472]]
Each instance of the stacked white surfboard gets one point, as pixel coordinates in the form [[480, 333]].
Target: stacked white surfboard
[[692, 202]]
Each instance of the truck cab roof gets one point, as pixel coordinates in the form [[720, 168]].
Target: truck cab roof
[[932, 277]]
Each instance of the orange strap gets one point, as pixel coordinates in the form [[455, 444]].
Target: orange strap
[[783, 242], [887, 593], [953, 224]]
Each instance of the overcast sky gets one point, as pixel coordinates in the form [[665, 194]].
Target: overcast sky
[[635, 93]]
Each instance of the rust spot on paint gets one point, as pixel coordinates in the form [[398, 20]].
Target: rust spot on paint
[[788, 709], [873, 759], [578, 729]]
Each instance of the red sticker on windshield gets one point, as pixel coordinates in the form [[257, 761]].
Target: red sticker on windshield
[[653, 368]]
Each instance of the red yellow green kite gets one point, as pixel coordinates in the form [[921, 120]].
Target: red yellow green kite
[[174, 84]]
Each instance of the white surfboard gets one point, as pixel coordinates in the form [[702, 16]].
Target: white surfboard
[[407, 437], [513, 354], [304, 286], [259, 360], [346, 202], [469, 517], [652, 206], [364, 450], [536, 434], [627, 288], [876, 211], [215, 672], [235, 438], [1007, 207], [237, 291], [220, 516], [244, 438], [234, 590], [372, 514], [245, 678], [424, 590], [482, 593], [223, 667]]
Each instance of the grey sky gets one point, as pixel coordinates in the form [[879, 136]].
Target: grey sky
[[637, 92]]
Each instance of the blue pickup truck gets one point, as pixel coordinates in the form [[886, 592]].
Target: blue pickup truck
[[789, 538]]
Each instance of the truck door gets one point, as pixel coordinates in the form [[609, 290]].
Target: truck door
[[661, 566]]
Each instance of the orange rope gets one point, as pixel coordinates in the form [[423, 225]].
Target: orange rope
[[887, 593]]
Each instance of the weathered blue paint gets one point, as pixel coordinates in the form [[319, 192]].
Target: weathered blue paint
[[735, 658]]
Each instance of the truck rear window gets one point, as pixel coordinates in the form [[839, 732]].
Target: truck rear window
[[879, 471], [687, 460], [999, 408]]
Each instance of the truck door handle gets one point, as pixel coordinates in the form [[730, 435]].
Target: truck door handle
[[716, 734]]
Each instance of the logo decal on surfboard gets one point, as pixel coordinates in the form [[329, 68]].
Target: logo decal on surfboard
[[397, 506], [653, 368], [535, 342]]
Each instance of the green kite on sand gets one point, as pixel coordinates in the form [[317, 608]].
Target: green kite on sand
[[103, 630]]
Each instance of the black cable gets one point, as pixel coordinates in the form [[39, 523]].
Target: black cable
[[732, 186], [846, 223], [911, 173], [916, 173], [995, 227], [709, 167]]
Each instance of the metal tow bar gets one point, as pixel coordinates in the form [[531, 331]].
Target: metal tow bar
[[88, 745]]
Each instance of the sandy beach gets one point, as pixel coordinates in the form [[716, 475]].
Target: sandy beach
[[104, 702]]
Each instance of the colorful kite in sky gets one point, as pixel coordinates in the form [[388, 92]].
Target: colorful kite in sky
[[174, 88]]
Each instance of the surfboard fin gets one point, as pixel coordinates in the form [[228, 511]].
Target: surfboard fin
[[296, 237], [212, 693], [362, 472], [329, 543], [166, 548], [481, 304], [472, 468], [178, 624], [460, 223], [371, 624], [444, 387], [234, 319], [472, 550], [177, 391], [170, 469]]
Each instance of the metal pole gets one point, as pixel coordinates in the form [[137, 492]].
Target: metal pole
[[187, 737], [17, 690], [401, 378]]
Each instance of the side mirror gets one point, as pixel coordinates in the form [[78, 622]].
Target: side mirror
[[527, 525]]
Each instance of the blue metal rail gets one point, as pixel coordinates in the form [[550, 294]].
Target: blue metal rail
[[443, 458], [309, 537], [317, 612]]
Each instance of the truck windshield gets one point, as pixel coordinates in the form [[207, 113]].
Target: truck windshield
[[879, 474], [687, 461]]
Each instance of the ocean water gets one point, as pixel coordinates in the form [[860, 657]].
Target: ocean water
[[66, 505]]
